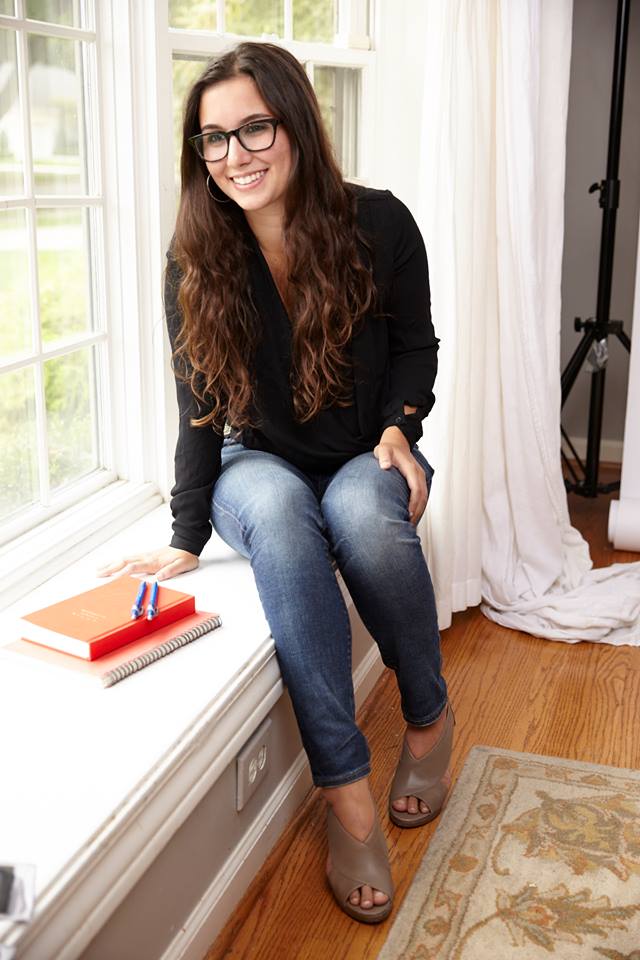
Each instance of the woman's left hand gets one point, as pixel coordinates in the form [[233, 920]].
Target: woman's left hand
[[393, 451]]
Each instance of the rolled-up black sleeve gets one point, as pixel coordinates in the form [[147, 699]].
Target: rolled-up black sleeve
[[413, 345], [197, 457]]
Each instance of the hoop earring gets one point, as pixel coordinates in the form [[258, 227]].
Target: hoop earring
[[212, 195]]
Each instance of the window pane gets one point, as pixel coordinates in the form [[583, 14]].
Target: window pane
[[11, 168], [54, 11], [254, 17], [19, 460], [193, 14], [63, 272], [337, 89], [315, 20], [69, 384], [185, 73], [6, 8], [57, 115], [15, 312]]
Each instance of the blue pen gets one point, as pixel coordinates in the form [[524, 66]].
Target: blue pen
[[136, 609], [152, 606]]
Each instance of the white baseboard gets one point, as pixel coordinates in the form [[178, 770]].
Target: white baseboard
[[610, 450]]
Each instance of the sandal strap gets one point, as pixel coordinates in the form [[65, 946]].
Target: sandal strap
[[423, 778], [355, 863]]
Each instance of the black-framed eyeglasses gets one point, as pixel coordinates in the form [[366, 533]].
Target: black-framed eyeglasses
[[254, 135]]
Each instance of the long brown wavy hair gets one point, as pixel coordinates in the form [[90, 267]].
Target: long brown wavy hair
[[330, 289]]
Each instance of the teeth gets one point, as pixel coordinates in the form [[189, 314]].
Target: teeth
[[250, 178]]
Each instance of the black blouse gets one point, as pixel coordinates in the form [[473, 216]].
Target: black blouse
[[393, 358]]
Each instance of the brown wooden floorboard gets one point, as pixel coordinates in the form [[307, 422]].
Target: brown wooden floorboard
[[509, 690]]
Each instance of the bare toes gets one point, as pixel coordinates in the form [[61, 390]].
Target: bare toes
[[400, 804], [366, 897]]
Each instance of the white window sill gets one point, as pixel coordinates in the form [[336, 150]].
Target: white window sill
[[97, 781]]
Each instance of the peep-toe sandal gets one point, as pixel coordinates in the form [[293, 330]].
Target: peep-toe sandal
[[355, 863], [423, 778]]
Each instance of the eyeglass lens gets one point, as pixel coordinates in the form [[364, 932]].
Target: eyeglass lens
[[256, 135]]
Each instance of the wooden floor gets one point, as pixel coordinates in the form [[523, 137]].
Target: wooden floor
[[509, 690]]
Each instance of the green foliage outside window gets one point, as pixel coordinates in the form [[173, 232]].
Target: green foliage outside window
[[67, 380], [313, 20]]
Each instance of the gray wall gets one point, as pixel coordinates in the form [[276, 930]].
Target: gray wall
[[594, 23]]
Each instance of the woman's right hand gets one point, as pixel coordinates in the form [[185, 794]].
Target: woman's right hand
[[164, 563]]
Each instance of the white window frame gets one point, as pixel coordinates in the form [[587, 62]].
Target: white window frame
[[91, 199], [135, 47], [133, 481]]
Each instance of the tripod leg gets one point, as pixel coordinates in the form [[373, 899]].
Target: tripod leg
[[624, 340], [572, 368], [595, 433], [576, 457]]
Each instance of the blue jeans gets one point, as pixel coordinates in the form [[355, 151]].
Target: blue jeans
[[291, 525]]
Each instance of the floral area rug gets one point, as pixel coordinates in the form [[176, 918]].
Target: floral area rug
[[534, 857]]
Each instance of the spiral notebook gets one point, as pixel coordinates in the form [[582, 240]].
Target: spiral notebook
[[113, 667]]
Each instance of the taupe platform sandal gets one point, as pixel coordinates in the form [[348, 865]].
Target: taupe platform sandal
[[355, 863], [423, 778]]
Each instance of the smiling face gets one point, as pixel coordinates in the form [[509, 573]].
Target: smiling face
[[257, 181]]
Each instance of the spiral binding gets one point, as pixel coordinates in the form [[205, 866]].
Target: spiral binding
[[126, 669]]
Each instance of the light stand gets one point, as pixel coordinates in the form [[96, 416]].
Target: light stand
[[597, 329]]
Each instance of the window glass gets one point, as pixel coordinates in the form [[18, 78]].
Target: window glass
[[337, 89], [315, 20], [57, 115], [253, 18], [66, 12], [185, 73], [19, 460], [11, 165], [63, 272], [193, 14], [70, 397], [15, 312], [6, 8]]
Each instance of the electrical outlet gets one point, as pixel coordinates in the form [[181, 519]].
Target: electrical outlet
[[252, 764]]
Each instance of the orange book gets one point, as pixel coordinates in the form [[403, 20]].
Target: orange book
[[92, 624], [121, 663]]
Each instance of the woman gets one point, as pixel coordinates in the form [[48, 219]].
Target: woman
[[298, 312]]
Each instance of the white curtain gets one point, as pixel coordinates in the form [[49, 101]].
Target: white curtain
[[491, 208]]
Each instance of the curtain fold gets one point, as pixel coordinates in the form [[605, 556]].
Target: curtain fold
[[492, 210]]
